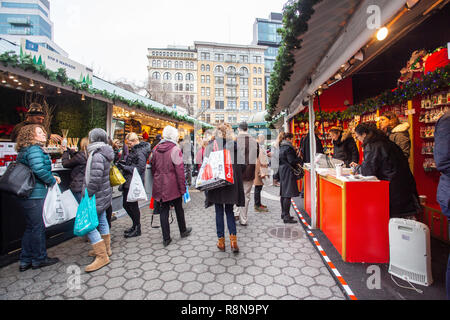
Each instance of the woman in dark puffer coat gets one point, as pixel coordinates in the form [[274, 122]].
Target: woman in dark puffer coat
[[77, 162], [385, 160], [137, 158], [97, 183], [345, 148]]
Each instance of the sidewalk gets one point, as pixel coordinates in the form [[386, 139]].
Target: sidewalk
[[276, 261]]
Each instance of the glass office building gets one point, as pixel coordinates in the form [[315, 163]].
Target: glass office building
[[28, 19], [265, 34]]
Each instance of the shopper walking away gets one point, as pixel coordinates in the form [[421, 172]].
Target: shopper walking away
[[442, 158], [248, 152], [261, 172], [169, 183], [385, 160], [225, 198], [289, 159], [345, 148], [30, 141], [396, 131], [187, 148], [76, 161], [100, 156], [137, 158]]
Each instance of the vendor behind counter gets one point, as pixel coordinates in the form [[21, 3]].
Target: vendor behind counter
[[35, 115]]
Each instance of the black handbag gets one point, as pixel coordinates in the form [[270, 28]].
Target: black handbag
[[18, 180]]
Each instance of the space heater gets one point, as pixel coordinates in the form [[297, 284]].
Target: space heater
[[410, 253]]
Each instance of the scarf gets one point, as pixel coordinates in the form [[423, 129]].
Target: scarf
[[90, 150]]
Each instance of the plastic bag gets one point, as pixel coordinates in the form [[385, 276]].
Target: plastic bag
[[187, 196], [70, 204], [87, 219], [137, 190], [54, 212], [115, 177]]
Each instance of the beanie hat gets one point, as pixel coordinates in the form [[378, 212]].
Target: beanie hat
[[98, 135]]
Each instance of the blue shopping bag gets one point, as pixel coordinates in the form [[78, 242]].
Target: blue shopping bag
[[187, 196], [86, 220]]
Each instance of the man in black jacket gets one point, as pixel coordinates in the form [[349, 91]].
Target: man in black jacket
[[305, 146], [345, 148]]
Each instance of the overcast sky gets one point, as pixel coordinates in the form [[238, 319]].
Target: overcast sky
[[112, 37]]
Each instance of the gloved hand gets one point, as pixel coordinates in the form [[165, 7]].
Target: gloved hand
[[120, 165]]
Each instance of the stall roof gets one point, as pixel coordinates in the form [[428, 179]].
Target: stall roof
[[336, 32], [100, 84]]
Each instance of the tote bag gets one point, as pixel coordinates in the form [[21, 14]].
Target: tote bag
[[115, 176], [58, 209], [137, 190], [86, 220]]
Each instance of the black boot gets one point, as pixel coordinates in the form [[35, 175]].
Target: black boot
[[128, 230], [135, 233]]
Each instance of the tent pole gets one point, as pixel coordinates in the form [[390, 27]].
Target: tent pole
[[312, 141]]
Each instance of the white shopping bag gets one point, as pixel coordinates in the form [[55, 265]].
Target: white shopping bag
[[70, 204], [137, 190], [54, 212]]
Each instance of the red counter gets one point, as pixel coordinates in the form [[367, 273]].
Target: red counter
[[354, 216]]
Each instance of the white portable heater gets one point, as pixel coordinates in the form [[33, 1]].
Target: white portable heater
[[410, 253]]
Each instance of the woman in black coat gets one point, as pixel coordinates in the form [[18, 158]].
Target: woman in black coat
[[345, 148], [137, 158], [289, 159], [385, 160], [226, 197], [77, 162]]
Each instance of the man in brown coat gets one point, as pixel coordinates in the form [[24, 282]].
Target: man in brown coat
[[262, 171]]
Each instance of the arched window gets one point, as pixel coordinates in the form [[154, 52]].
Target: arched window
[[176, 64], [218, 69], [189, 77], [231, 69], [159, 63], [202, 68], [181, 64], [244, 71], [208, 68], [192, 65], [165, 63], [154, 63], [259, 70], [255, 70], [167, 76], [169, 64], [156, 76], [179, 76]]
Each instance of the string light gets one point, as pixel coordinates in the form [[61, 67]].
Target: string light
[[58, 91], [382, 34]]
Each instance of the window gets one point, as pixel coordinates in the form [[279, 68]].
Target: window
[[208, 67], [244, 59], [208, 92], [189, 77], [219, 80], [260, 106], [202, 68], [259, 93], [244, 93], [167, 76], [255, 93], [220, 118], [181, 64], [179, 76], [218, 69], [255, 105], [208, 118], [165, 63], [231, 58], [255, 70], [260, 70], [192, 65], [176, 86], [180, 87], [232, 119], [169, 64], [156, 76], [206, 104], [192, 89], [244, 105], [259, 81], [231, 92], [244, 81], [219, 92], [205, 56], [231, 69], [202, 79], [154, 63], [243, 72], [231, 80], [218, 57], [158, 64], [203, 91], [231, 104], [176, 64], [254, 81], [208, 79], [220, 105], [257, 59]]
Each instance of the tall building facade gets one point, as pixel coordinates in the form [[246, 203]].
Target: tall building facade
[[28, 19], [172, 73], [265, 34], [230, 82]]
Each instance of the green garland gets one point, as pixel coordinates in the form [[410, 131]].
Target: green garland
[[295, 23], [429, 84], [26, 63]]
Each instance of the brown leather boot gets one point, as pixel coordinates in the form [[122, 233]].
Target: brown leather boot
[[221, 244], [101, 257], [234, 244], [107, 239]]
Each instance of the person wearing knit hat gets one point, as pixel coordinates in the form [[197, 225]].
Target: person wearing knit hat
[[35, 115]]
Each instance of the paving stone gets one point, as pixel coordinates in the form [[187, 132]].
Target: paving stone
[[172, 286], [276, 290], [114, 294], [133, 284], [321, 292], [298, 291], [153, 285], [95, 293], [233, 289], [254, 290], [115, 282], [137, 294], [310, 271], [187, 276], [327, 281], [264, 279], [192, 287]]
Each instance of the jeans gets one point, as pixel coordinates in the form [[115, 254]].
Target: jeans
[[132, 208], [34, 247], [77, 196], [102, 229], [164, 217], [285, 208], [258, 190], [230, 219]]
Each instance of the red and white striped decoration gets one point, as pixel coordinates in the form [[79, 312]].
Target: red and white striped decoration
[[324, 255]]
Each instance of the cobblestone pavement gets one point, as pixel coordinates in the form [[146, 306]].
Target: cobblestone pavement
[[275, 262]]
